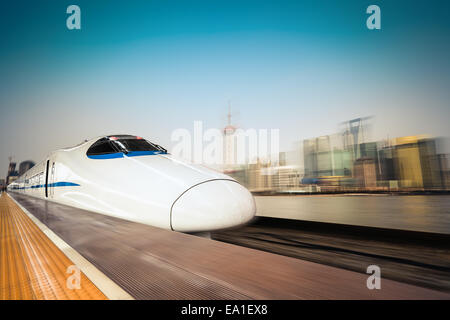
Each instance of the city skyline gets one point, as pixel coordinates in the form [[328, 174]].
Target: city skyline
[[148, 68]]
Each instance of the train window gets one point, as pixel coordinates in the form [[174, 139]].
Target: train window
[[130, 145], [102, 146], [122, 144]]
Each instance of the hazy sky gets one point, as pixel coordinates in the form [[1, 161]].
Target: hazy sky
[[149, 67]]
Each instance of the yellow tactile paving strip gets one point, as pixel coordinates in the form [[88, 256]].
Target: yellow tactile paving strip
[[31, 266]]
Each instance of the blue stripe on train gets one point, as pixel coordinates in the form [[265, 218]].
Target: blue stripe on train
[[122, 155], [107, 156], [51, 185], [63, 184]]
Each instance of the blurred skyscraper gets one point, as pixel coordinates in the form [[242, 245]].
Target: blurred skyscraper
[[25, 166], [416, 163], [12, 174], [317, 157]]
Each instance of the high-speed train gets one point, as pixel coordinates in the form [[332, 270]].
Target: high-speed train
[[131, 178]]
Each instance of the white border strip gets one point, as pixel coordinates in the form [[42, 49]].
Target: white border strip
[[108, 287]]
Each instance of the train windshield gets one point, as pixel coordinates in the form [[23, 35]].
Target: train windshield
[[123, 144], [102, 146], [135, 144]]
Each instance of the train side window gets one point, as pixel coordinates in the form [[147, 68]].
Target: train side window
[[138, 145], [102, 146]]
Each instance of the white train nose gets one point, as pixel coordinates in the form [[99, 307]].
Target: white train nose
[[212, 205]]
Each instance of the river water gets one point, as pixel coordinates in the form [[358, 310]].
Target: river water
[[417, 213]]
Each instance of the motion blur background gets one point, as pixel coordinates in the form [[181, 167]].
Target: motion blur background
[[361, 113]]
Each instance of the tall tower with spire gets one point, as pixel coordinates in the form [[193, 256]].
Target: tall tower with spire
[[229, 142]]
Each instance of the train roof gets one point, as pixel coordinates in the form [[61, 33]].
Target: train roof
[[119, 136]]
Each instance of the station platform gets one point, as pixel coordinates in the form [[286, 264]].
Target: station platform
[[151, 263], [31, 266]]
